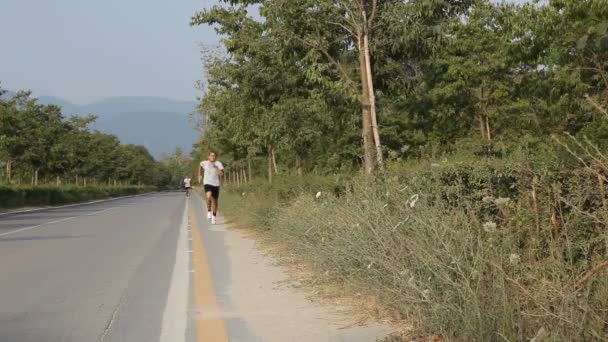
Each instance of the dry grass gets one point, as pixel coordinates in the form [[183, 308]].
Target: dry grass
[[455, 251]]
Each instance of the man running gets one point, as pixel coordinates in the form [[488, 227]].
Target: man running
[[212, 170], [187, 185]]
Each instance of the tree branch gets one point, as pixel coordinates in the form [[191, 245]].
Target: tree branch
[[332, 60], [342, 26], [373, 14]]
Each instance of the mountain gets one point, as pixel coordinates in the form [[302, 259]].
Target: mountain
[[158, 123], [67, 107]]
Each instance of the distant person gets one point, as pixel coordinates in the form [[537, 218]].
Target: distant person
[[187, 185], [211, 170]]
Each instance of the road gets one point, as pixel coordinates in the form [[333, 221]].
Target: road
[[145, 268], [98, 272]]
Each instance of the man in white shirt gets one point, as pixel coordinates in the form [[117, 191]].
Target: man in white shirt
[[187, 185], [211, 170]]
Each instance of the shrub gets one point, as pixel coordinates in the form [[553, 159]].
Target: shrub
[[474, 251], [21, 196]]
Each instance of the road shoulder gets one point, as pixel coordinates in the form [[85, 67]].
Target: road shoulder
[[258, 297]]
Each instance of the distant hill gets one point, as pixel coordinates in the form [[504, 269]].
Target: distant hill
[[159, 124]]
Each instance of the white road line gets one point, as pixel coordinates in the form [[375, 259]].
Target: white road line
[[101, 211], [37, 226], [53, 222], [175, 316]]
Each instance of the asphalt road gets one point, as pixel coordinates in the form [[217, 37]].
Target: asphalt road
[[145, 269], [98, 272]]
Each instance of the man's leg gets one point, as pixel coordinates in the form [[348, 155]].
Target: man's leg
[[215, 197], [214, 204], [209, 197]]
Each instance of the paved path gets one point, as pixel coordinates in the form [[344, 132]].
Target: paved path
[[146, 268]]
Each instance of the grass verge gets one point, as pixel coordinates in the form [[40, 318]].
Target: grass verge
[[480, 250]]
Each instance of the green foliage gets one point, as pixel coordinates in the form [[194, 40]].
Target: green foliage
[[444, 71], [37, 141], [24, 196], [489, 223]]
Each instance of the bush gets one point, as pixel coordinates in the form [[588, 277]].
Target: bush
[[21, 196], [474, 251]]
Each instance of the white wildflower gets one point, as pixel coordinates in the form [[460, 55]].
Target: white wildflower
[[514, 259], [370, 265], [318, 194], [489, 227], [412, 201]]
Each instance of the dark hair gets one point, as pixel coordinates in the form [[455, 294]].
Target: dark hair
[[212, 152]]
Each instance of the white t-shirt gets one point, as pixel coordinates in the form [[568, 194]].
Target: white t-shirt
[[211, 175], [187, 182]]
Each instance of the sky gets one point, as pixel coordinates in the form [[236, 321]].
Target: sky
[[86, 50]]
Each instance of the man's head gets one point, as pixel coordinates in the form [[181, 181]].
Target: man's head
[[212, 156]]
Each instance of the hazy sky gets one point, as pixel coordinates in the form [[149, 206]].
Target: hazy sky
[[84, 50]]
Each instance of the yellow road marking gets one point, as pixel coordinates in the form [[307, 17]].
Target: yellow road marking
[[209, 324]]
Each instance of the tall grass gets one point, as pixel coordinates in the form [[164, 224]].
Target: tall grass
[[471, 251]]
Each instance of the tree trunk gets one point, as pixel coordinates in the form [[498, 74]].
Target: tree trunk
[[274, 162], [9, 170], [372, 99], [244, 174], [482, 126], [488, 132], [32, 182], [249, 169], [238, 178], [269, 166], [85, 181], [368, 163], [299, 166], [58, 181]]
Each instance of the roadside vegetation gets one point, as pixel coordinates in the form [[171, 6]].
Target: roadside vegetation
[[47, 159], [447, 158], [50, 195]]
